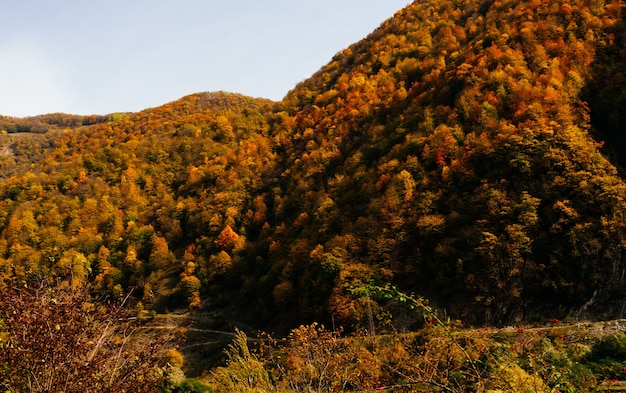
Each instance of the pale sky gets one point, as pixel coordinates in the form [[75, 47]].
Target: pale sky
[[99, 57]]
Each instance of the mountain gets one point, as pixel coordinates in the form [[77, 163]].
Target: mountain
[[451, 152], [466, 152]]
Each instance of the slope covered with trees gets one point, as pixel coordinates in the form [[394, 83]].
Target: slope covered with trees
[[451, 152], [455, 152], [127, 203]]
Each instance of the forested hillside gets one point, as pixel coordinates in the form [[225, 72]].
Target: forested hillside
[[465, 152], [451, 152], [126, 203]]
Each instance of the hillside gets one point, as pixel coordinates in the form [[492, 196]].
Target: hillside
[[468, 153], [451, 152]]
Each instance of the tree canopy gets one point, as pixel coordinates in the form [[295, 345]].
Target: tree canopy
[[456, 152]]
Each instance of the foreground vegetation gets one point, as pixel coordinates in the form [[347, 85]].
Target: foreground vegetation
[[568, 358], [441, 356], [60, 340], [66, 342]]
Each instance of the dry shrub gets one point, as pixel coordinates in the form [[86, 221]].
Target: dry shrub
[[59, 340]]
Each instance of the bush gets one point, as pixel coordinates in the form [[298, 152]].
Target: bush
[[193, 386], [186, 385], [244, 371], [59, 340], [174, 357], [611, 347]]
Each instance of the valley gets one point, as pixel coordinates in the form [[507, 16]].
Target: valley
[[456, 172]]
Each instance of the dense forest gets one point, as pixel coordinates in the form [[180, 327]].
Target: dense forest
[[469, 153]]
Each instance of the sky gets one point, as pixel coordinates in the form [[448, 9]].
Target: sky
[[98, 57]]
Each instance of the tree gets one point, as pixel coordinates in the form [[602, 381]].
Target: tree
[[160, 255], [229, 240], [189, 287]]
